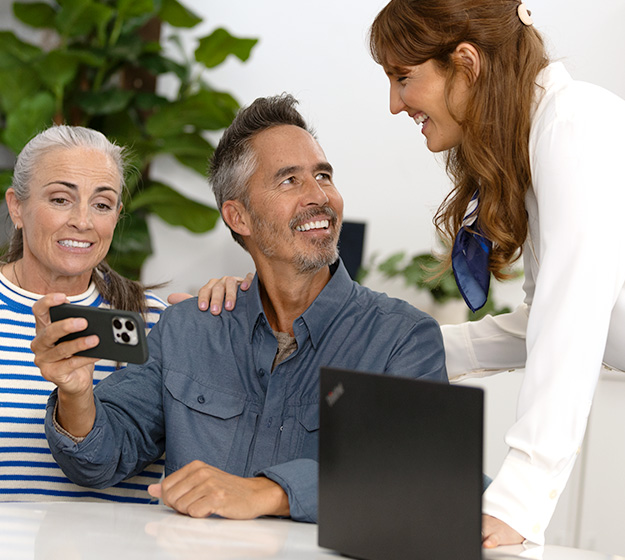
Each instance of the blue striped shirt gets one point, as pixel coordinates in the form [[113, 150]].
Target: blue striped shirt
[[28, 471]]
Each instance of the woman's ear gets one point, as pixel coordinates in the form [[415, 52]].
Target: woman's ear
[[236, 216], [15, 208], [468, 57]]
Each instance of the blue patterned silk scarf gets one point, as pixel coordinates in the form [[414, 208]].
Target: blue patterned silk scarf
[[469, 260]]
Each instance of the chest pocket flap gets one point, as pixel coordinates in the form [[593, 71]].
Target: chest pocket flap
[[202, 398]]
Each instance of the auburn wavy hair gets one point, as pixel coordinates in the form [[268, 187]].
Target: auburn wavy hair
[[493, 157]]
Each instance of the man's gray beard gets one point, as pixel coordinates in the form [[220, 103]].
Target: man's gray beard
[[328, 255], [304, 263]]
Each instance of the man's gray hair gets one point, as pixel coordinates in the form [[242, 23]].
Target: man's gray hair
[[234, 161]]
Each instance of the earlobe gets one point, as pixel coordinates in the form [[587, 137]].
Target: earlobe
[[468, 56], [237, 218]]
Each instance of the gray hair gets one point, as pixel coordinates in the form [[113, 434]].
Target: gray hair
[[62, 137], [234, 161]]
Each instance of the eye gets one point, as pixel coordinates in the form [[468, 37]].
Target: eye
[[323, 177], [103, 206], [402, 79], [59, 200], [289, 181]]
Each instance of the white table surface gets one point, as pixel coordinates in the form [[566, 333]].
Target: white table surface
[[93, 531]]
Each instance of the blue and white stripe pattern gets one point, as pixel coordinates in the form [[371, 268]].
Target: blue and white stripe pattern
[[27, 470]]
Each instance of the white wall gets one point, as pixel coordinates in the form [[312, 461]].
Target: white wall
[[317, 51]]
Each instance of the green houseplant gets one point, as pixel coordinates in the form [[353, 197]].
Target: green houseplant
[[101, 72]]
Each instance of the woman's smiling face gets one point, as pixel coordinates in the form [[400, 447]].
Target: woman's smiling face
[[420, 92], [70, 214]]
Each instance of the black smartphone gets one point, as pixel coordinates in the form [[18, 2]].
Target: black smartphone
[[121, 333]]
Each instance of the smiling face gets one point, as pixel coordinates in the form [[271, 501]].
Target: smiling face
[[68, 219], [420, 92], [295, 211]]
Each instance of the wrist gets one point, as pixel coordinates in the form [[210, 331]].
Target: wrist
[[274, 499], [75, 413]]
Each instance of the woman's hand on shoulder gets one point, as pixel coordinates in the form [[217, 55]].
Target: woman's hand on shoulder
[[218, 293]]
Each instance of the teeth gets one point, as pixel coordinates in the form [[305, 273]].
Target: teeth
[[74, 244], [323, 224], [421, 118]]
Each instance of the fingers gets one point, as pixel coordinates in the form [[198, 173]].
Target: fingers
[[41, 308], [155, 490], [497, 533], [222, 293], [177, 297]]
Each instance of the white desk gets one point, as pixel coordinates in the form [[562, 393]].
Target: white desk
[[94, 531]]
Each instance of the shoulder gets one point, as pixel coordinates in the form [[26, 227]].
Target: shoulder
[[573, 103], [381, 307]]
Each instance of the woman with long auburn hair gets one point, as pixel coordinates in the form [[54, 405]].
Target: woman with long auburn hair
[[535, 160]]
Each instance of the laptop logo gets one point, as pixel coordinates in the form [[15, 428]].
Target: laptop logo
[[335, 394]]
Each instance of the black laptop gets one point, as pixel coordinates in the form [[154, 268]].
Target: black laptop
[[400, 467]]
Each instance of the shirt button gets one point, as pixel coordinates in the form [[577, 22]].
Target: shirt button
[[261, 373], [553, 494], [536, 528], [201, 399]]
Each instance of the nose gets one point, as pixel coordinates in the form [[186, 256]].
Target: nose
[[80, 217], [397, 105], [315, 194]]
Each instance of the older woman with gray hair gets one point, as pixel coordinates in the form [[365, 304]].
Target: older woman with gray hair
[[64, 203]]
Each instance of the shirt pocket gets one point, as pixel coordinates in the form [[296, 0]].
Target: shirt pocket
[[201, 422], [307, 416]]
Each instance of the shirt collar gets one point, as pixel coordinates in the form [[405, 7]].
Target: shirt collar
[[319, 315]]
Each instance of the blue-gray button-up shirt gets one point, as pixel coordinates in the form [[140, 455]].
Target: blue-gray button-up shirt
[[208, 391]]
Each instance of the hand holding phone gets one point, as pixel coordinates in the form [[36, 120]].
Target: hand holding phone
[[121, 333]]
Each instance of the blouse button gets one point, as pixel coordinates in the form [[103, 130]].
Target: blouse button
[[201, 399]]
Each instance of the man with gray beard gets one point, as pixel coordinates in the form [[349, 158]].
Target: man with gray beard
[[233, 400]]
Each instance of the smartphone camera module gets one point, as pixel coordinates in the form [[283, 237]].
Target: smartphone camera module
[[125, 331]]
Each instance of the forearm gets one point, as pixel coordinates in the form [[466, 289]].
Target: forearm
[[75, 413]]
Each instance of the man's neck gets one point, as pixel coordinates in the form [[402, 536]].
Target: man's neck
[[286, 294]]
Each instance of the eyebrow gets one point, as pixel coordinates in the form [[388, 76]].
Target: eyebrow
[[74, 187], [291, 169]]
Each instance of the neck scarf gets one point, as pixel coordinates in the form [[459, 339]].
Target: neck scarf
[[469, 260]]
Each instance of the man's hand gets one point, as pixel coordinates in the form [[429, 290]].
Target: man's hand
[[497, 533], [73, 375], [199, 490]]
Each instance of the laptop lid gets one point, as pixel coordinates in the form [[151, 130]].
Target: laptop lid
[[400, 467]]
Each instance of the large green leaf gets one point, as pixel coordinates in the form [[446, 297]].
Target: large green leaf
[[57, 69], [158, 64], [216, 47], [207, 110], [192, 150], [30, 117], [176, 15], [134, 8], [131, 245], [17, 84], [174, 208], [35, 14], [13, 50], [104, 102], [80, 17]]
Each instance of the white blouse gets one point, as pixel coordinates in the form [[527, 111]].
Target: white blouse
[[573, 317]]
